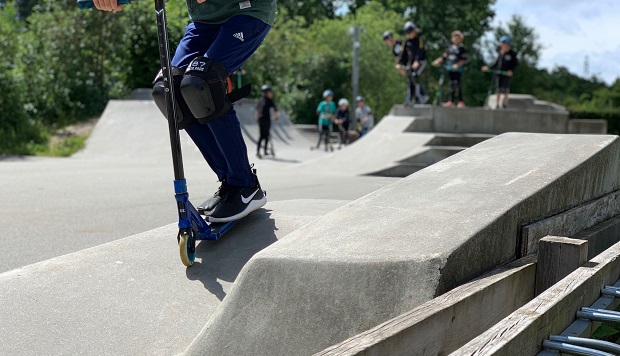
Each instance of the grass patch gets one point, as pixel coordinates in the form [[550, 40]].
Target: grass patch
[[63, 147]]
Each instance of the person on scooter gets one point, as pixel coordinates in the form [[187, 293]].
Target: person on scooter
[[505, 64], [455, 57], [412, 62], [221, 36], [263, 116]]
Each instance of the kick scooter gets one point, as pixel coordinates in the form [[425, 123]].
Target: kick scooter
[[192, 226]]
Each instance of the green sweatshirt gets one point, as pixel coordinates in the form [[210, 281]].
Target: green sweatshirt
[[219, 11]]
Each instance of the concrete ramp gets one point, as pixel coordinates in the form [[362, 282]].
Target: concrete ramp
[[380, 150], [383, 254], [133, 296]]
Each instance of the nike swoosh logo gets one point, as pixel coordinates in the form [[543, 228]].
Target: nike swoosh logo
[[247, 200]]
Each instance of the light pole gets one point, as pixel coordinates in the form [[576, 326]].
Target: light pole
[[355, 77]]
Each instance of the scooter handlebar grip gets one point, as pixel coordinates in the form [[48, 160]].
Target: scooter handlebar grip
[[88, 4]]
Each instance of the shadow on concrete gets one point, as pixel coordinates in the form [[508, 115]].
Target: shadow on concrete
[[222, 260], [283, 160]]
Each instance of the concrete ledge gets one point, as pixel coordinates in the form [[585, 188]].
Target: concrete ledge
[[386, 253], [133, 296], [523, 332], [479, 120]]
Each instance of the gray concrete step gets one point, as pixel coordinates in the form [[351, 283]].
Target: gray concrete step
[[133, 296], [396, 248]]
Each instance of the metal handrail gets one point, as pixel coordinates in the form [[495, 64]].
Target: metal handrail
[[599, 345], [604, 311], [598, 316], [611, 291], [573, 349]]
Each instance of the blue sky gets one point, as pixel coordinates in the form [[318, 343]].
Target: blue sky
[[571, 29]]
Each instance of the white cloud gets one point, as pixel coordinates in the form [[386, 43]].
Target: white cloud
[[570, 30]]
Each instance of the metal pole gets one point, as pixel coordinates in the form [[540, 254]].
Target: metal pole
[[355, 80], [164, 58], [591, 343], [573, 349]]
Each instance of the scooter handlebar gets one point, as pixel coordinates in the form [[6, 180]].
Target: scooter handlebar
[[89, 4]]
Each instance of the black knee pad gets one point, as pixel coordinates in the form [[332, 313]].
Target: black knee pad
[[205, 89], [184, 115]]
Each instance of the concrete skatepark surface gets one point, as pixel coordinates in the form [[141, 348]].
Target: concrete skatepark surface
[[121, 183], [358, 250]]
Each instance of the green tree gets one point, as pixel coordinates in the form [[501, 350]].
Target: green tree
[[301, 62], [525, 40], [17, 131]]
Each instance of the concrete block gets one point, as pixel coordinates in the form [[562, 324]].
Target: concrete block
[[394, 249], [479, 120]]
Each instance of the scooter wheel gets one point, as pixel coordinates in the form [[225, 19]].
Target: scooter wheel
[[187, 249]]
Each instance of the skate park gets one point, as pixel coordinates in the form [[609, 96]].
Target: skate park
[[421, 238]]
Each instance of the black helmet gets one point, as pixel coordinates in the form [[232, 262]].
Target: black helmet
[[265, 88], [387, 34], [409, 27]]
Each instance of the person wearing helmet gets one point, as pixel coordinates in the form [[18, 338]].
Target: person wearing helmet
[[326, 112], [396, 45], [343, 121], [363, 115], [455, 57], [412, 62], [263, 116], [504, 66]]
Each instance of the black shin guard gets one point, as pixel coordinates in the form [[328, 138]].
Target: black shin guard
[[184, 116]]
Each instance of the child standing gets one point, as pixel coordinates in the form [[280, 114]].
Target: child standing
[[396, 45], [220, 37], [343, 121], [413, 62], [505, 64], [455, 57], [326, 112], [263, 116], [363, 115]]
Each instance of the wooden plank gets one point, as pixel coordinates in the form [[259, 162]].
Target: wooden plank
[[570, 222], [443, 324], [557, 258], [523, 331]]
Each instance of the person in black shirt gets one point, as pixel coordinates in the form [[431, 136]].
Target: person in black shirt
[[343, 121], [455, 58], [505, 65], [413, 61], [263, 116], [397, 45]]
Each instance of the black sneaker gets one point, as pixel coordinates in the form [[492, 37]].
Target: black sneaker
[[209, 205], [237, 203]]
